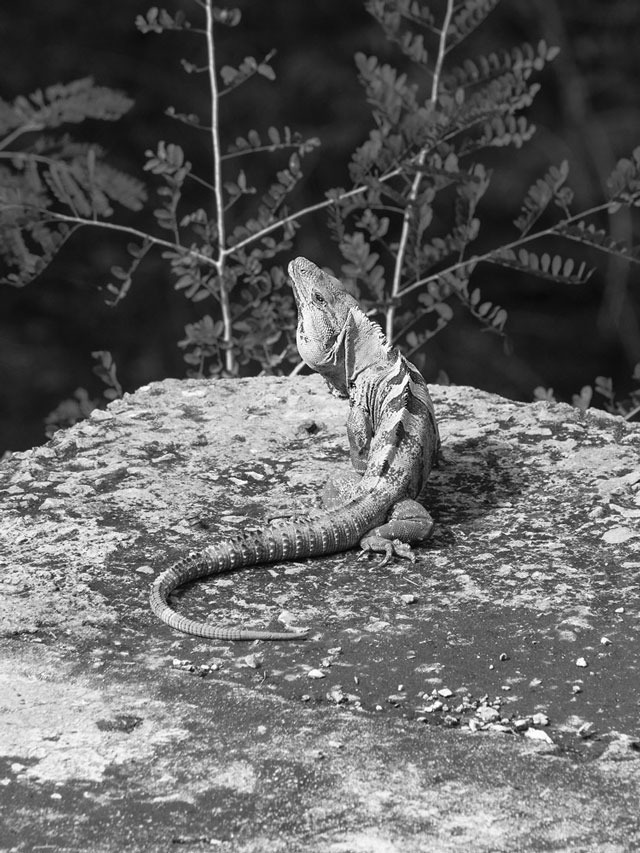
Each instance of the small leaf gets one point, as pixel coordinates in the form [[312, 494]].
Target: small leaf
[[543, 265], [540, 195], [228, 17], [596, 238], [266, 71]]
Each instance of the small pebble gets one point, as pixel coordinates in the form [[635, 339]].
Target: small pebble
[[538, 734], [252, 661], [582, 662], [540, 719], [487, 714]]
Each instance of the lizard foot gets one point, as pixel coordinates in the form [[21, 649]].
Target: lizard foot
[[389, 547]]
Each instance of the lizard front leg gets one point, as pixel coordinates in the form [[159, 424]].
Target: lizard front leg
[[408, 523]]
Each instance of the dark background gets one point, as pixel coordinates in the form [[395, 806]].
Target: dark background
[[587, 112]]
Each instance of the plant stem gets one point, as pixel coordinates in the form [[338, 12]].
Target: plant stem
[[312, 208], [521, 241], [20, 131], [417, 180], [225, 306], [630, 415], [113, 226]]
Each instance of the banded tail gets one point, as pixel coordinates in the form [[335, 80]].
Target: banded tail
[[338, 530]]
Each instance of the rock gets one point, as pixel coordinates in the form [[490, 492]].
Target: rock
[[487, 714], [540, 719], [618, 535], [538, 735], [622, 748], [316, 673]]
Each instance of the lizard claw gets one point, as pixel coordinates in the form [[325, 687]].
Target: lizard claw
[[390, 549]]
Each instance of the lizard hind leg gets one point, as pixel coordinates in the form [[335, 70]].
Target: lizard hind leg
[[408, 523], [339, 490]]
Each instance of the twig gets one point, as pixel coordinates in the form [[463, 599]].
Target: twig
[[417, 180], [113, 226], [19, 131], [521, 241], [630, 415], [312, 208], [225, 306]]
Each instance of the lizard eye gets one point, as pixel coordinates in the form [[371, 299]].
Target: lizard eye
[[319, 298]]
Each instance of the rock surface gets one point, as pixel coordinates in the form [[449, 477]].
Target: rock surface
[[495, 676]]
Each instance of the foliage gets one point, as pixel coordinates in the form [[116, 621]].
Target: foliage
[[410, 224], [49, 173], [80, 406], [628, 408], [51, 186], [408, 227]]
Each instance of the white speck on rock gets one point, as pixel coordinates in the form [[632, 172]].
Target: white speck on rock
[[618, 535]]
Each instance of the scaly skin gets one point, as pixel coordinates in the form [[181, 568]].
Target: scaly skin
[[393, 441]]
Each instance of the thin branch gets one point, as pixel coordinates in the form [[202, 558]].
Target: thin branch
[[630, 415], [234, 85], [521, 241], [25, 155], [215, 132], [312, 208], [270, 148], [19, 131], [225, 306], [113, 226], [200, 181], [417, 180]]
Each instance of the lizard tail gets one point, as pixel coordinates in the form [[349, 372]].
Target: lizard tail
[[339, 530]]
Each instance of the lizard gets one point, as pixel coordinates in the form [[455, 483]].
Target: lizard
[[393, 441]]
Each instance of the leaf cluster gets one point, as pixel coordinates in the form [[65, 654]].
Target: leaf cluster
[[411, 226], [48, 182], [627, 408], [418, 166], [407, 228], [80, 405], [220, 252]]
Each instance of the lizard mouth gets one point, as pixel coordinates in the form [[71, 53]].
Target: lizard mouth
[[301, 272]]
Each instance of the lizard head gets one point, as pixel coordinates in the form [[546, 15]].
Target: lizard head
[[324, 311]]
